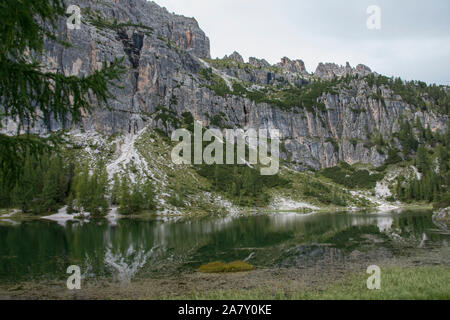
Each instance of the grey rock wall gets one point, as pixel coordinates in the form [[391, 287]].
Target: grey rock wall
[[163, 65]]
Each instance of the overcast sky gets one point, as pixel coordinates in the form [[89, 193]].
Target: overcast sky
[[414, 40]]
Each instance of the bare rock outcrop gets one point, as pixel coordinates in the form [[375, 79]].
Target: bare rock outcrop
[[164, 55]]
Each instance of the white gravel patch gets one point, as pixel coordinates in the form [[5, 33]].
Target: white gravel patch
[[291, 205]]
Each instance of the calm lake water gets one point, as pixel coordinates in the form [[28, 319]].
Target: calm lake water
[[139, 248]]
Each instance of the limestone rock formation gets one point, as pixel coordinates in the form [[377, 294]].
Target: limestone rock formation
[[165, 54], [296, 66], [236, 57], [259, 63], [332, 70]]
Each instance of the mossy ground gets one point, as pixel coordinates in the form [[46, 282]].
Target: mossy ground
[[419, 274], [422, 283], [223, 267]]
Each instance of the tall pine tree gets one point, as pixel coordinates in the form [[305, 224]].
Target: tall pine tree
[[28, 93]]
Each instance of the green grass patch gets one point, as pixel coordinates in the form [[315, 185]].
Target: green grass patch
[[418, 283]]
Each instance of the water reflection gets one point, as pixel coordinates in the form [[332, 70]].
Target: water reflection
[[133, 247], [125, 266]]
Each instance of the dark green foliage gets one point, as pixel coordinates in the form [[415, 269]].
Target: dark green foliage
[[216, 83], [218, 120], [421, 159], [433, 185], [220, 87], [14, 151], [148, 195], [428, 189], [393, 157], [25, 189], [244, 185], [176, 200], [30, 94], [239, 89], [377, 80], [444, 202], [324, 193], [116, 190], [49, 197], [91, 190], [407, 139], [207, 74], [136, 198], [415, 93], [168, 117], [188, 118], [70, 204], [347, 176], [41, 188], [188, 121]]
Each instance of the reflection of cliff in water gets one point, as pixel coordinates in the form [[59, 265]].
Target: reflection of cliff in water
[[136, 248]]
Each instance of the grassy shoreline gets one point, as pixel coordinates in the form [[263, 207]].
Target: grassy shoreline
[[422, 275], [413, 206], [413, 283]]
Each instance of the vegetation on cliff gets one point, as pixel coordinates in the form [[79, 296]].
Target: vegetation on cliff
[[29, 94]]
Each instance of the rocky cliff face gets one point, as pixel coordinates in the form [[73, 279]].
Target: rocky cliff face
[[332, 70], [165, 54]]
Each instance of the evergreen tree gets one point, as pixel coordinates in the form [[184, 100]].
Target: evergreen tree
[[429, 137], [70, 204], [234, 189], [115, 191], [406, 137], [247, 178], [136, 200], [443, 158], [399, 189], [148, 196], [28, 93], [125, 197], [421, 159], [25, 189], [236, 184], [82, 188], [98, 184], [419, 127], [216, 175], [49, 195]]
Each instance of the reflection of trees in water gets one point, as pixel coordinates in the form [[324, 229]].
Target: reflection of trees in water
[[38, 248], [310, 255], [131, 246], [135, 245], [125, 266]]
